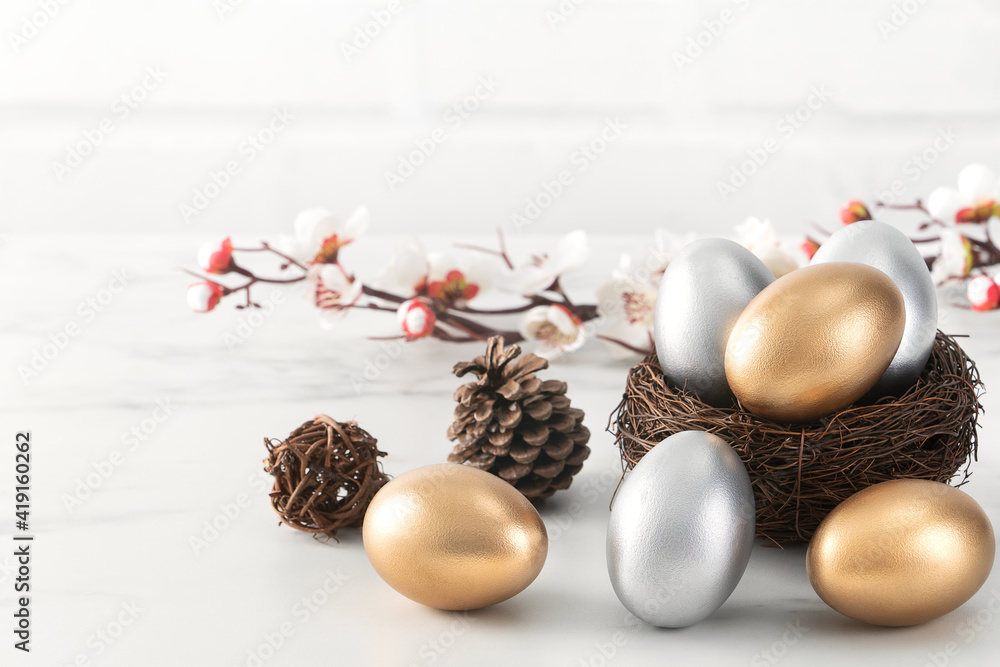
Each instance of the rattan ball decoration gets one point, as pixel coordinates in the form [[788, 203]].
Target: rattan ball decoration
[[800, 472], [325, 475], [515, 425]]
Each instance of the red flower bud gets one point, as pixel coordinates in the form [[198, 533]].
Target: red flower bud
[[983, 293], [854, 211]]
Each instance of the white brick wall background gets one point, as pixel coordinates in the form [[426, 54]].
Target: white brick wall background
[[559, 83]]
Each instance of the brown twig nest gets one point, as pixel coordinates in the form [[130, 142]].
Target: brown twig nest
[[325, 475], [801, 472]]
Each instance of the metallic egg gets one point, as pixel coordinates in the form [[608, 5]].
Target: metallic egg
[[814, 341], [901, 552], [890, 251], [454, 537], [702, 292], [681, 530]]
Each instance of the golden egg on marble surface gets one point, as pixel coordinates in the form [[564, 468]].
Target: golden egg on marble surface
[[814, 341], [453, 537], [901, 552]]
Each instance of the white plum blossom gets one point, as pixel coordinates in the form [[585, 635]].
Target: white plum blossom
[[955, 258], [457, 279], [554, 328], [334, 291], [407, 271], [759, 237], [627, 301], [449, 277], [319, 235], [628, 307], [974, 200], [538, 275]]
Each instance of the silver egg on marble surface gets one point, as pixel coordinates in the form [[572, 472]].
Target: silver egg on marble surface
[[887, 249], [681, 530], [702, 293]]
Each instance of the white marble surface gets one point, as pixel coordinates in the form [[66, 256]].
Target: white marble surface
[[126, 551]]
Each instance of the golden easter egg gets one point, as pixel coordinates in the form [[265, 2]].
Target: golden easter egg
[[901, 552], [814, 341], [454, 537]]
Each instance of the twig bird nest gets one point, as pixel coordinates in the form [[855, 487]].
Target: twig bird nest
[[325, 475], [801, 472]]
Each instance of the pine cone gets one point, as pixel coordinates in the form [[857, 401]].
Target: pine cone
[[516, 426]]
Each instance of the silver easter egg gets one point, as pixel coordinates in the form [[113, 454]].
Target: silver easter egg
[[702, 292], [681, 530], [889, 250]]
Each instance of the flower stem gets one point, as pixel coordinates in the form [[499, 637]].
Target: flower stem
[[627, 346], [266, 247]]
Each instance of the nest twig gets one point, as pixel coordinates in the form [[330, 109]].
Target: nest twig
[[325, 475], [801, 472]]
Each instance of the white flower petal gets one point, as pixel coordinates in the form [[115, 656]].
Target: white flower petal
[[314, 225], [944, 202], [755, 233], [356, 224], [439, 264], [610, 301], [777, 260], [407, 268], [978, 183], [334, 278], [527, 280], [953, 259], [532, 318], [571, 253], [562, 320], [554, 330]]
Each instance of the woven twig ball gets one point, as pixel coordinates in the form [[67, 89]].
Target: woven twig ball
[[800, 472], [325, 475]]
